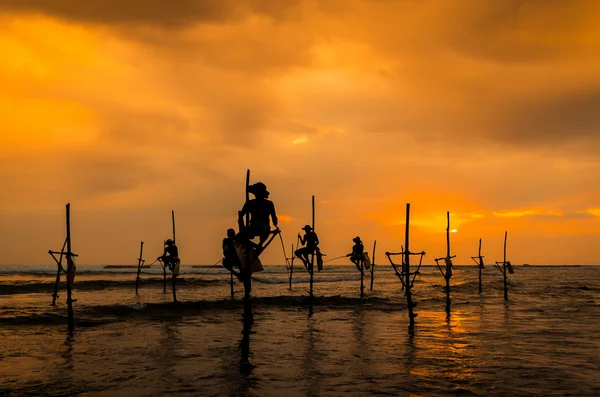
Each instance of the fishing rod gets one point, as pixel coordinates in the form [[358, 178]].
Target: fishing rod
[[332, 259], [210, 268]]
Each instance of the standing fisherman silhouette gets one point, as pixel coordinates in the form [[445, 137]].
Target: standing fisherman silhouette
[[310, 240], [170, 256], [261, 212], [357, 255], [230, 257]]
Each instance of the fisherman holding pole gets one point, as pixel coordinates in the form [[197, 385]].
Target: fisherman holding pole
[[310, 240], [170, 256], [357, 256], [261, 211]]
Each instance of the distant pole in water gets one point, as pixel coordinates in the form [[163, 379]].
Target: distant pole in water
[[248, 316], [58, 270], [506, 267], [173, 275], [404, 273], [292, 267], [362, 276], [373, 265], [139, 268], [448, 262], [312, 259], [70, 271], [407, 282], [479, 263]]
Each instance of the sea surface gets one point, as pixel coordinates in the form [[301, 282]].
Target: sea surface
[[543, 342]]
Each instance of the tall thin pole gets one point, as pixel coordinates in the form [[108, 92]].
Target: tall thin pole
[[448, 263], [292, 267], [504, 268], [173, 223], [173, 275], [409, 300], [373, 265], [231, 291], [59, 266], [139, 269], [312, 260], [70, 271], [362, 276], [480, 265], [247, 196], [248, 316]]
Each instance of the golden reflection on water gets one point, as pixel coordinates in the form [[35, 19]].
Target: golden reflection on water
[[444, 343]]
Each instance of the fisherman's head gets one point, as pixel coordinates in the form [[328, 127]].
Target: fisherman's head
[[259, 190], [307, 228], [169, 242], [356, 239], [230, 233]]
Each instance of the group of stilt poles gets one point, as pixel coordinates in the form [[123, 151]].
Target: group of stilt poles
[[70, 271], [448, 262]]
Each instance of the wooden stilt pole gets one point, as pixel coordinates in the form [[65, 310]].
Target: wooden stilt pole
[[362, 277], [292, 267], [504, 268], [312, 260], [173, 275], [407, 280], [248, 316], [480, 265], [231, 291], [58, 270], [448, 264], [139, 269], [70, 270], [373, 265], [164, 277]]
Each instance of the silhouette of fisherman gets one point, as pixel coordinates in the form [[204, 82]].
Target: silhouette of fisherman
[[170, 255], [357, 255], [310, 240], [230, 256], [261, 212]]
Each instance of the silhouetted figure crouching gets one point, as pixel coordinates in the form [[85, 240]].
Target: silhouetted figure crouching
[[261, 212], [310, 240], [357, 256], [170, 256]]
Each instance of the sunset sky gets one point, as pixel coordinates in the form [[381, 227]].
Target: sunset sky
[[127, 109]]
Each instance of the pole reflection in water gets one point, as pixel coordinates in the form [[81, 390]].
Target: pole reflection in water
[[310, 371], [168, 353]]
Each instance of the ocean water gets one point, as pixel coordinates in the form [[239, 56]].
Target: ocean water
[[543, 342]]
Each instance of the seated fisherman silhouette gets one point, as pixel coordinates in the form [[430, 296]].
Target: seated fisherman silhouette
[[261, 212], [310, 242], [230, 256], [170, 255], [357, 255]]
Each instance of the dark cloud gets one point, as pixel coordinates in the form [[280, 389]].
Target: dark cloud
[[173, 13], [572, 118]]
